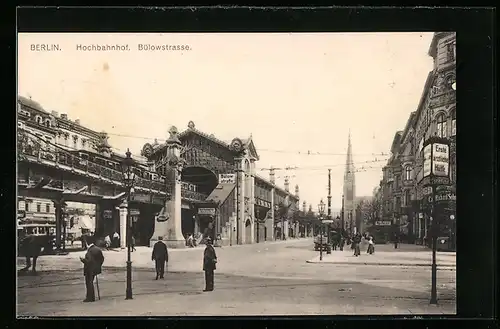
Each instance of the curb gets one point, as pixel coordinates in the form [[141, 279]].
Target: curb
[[379, 264]]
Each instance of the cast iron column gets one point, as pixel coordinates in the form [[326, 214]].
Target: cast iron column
[[128, 293]]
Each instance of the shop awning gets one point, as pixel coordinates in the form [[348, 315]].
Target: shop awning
[[221, 193], [86, 222]]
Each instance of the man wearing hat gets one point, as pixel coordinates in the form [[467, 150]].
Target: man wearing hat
[[209, 261], [160, 257]]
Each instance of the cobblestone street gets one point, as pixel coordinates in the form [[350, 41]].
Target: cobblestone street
[[267, 278]]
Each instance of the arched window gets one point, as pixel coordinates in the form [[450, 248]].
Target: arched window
[[47, 122], [441, 125], [408, 173], [453, 122]]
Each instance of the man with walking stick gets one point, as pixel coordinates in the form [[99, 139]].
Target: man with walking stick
[[92, 266]]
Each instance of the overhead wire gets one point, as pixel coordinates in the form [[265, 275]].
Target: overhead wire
[[307, 152]]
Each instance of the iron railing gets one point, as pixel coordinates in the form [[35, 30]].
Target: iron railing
[[29, 146]]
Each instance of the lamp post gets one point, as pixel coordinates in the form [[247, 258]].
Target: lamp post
[[128, 181], [321, 209]]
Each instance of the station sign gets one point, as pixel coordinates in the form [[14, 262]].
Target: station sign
[[227, 178], [206, 211], [383, 223], [327, 221]]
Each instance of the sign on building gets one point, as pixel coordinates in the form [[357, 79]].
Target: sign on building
[[427, 160], [107, 214], [206, 211], [134, 212], [227, 178], [383, 223], [440, 160]]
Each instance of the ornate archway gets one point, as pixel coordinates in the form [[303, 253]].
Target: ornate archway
[[203, 178]]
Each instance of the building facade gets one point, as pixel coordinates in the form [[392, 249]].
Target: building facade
[[404, 197]]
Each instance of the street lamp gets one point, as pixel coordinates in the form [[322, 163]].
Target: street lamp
[[128, 181], [321, 209]]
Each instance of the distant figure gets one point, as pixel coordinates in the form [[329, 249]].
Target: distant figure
[[132, 243], [92, 266], [209, 261], [116, 240], [160, 257], [30, 247], [107, 241], [396, 240], [355, 242], [190, 241], [371, 245]]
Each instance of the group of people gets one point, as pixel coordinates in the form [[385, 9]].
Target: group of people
[[94, 259], [339, 241], [113, 241]]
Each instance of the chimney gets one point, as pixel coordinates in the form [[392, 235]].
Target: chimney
[[77, 121], [55, 114], [297, 191], [304, 206], [287, 184], [64, 116]]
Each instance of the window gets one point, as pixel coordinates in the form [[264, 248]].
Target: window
[[451, 51], [26, 206], [407, 198], [47, 207], [66, 140], [84, 144], [453, 122], [75, 142], [441, 125], [47, 123], [407, 173], [38, 207]]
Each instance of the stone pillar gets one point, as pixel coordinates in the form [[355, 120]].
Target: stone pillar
[[251, 201], [171, 229], [98, 219], [123, 224], [285, 228], [196, 224]]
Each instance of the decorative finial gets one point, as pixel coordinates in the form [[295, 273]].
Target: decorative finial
[[173, 138], [191, 125], [128, 154]]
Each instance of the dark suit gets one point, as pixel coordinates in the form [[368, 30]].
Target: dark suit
[[209, 261], [30, 248], [160, 256], [92, 265]]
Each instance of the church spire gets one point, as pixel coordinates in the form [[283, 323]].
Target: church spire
[[349, 164]]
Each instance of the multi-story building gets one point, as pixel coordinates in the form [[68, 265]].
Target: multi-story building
[[403, 195]]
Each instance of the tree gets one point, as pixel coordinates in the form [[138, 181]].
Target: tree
[[370, 210]]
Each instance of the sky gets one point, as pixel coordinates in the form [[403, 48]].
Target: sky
[[297, 94]]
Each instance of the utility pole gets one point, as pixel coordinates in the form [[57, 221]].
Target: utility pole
[[328, 250], [342, 221]]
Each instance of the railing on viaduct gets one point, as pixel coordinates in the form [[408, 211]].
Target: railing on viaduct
[[62, 159]]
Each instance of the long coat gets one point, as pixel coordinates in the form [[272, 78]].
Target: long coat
[[30, 246], [209, 258], [92, 263], [160, 252]]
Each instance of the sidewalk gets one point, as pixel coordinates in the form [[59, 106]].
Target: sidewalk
[[185, 259], [387, 258]]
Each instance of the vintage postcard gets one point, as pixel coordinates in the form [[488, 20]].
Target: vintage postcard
[[185, 174]]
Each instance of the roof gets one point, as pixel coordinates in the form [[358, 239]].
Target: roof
[[220, 193], [276, 186], [31, 103]]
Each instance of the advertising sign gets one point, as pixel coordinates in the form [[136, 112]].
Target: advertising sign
[[427, 160], [134, 212], [440, 159], [227, 179], [206, 211], [383, 223], [108, 214]]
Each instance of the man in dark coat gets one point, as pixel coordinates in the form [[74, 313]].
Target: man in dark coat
[[209, 261], [356, 241], [92, 266], [160, 257], [30, 247]]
